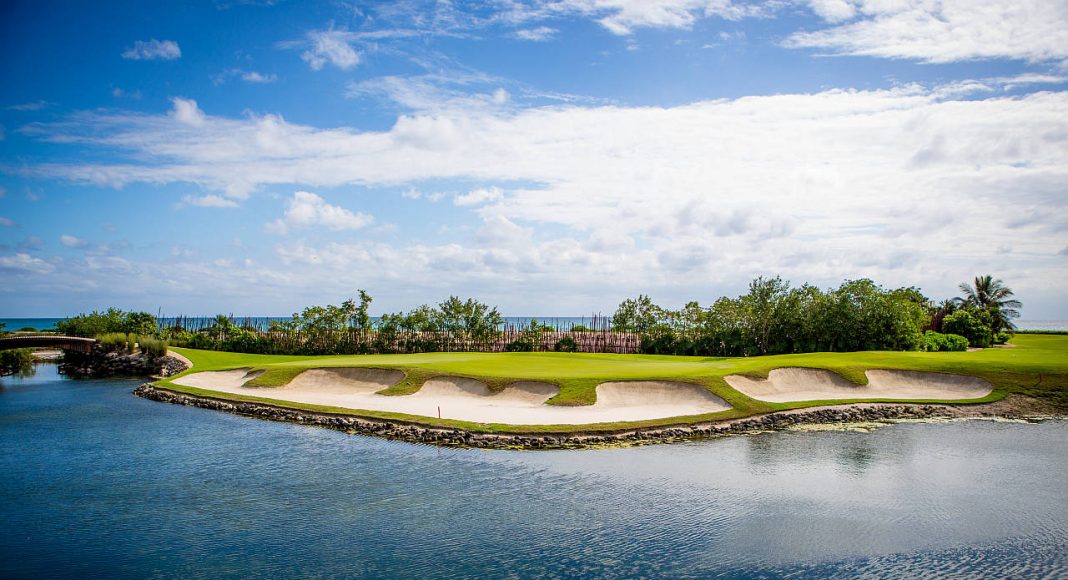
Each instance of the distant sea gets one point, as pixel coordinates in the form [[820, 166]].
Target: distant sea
[[265, 321], [556, 321]]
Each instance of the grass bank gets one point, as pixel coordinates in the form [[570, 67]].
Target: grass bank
[[1034, 366]]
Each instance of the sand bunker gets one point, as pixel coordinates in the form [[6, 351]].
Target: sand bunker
[[797, 384], [344, 380], [219, 380], [521, 403]]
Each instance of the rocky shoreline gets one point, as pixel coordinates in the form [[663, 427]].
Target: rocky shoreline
[[100, 363], [412, 432]]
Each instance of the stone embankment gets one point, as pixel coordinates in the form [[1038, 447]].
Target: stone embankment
[[458, 437], [117, 364]]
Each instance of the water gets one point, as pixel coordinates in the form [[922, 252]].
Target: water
[[1042, 324], [95, 480]]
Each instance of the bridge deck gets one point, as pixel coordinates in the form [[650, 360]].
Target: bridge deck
[[48, 341]]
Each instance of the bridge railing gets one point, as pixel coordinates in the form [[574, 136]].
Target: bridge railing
[[74, 343]]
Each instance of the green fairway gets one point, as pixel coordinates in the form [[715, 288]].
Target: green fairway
[[1035, 365]]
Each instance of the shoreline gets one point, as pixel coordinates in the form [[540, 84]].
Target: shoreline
[[414, 432]]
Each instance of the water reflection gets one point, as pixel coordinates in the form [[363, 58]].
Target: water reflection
[[843, 450], [103, 482]]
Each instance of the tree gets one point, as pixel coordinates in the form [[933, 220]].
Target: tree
[[636, 315], [761, 308], [991, 294], [471, 319]]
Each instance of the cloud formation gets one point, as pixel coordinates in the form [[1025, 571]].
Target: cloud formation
[[208, 201], [25, 263], [329, 46], [941, 31], [906, 185], [307, 209], [153, 50], [72, 242]]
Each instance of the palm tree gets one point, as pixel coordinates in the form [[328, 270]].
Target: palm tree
[[993, 296]]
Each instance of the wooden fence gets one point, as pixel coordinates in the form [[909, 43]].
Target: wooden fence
[[593, 335]]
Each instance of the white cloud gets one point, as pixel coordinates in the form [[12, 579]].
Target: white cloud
[[834, 10], [208, 201], [942, 31], [21, 262], [434, 92], [153, 50], [256, 77], [307, 209], [478, 196], [32, 106], [539, 34], [818, 187], [185, 111], [72, 242], [622, 17], [329, 46], [119, 93], [6, 222], [249, 76]]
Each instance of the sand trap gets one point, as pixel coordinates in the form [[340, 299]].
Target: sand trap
[[797, 384], [521, 403], [344, 380], [219, 380]]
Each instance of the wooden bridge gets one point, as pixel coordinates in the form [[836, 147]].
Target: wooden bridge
[[48, 341]]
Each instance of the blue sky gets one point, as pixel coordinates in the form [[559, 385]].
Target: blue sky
[[550, 156]]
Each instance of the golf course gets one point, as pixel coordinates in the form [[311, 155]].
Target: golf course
[[546, 392]]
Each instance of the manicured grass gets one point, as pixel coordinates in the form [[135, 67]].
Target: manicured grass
[[1036, 366]]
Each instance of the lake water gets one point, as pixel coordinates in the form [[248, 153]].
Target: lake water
[[95, 480]]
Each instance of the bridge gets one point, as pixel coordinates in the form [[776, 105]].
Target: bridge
[[48, 341]]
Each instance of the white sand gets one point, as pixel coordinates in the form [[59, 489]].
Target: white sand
[[521, 403], [797, 384], [219, 380]]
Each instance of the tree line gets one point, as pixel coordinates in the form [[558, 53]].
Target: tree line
[[773, 318], [770, 318]]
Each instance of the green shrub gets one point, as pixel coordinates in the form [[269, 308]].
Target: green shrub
[[565, 344], [153, 347], [971, 325], [27, 329], [936, 341], [1002, 338], [580, 328], [17, 361], [110, 320], [113, 342], [519, 345]]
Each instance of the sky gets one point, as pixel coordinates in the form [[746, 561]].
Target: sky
[[550, 157]]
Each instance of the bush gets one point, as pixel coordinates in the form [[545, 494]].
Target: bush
[[18, 361], [969, 324], [1002, 338], [565, 344], [519, 345], [936, 341], [580, 328], [153, 347], [113, 342], [108, 321]]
